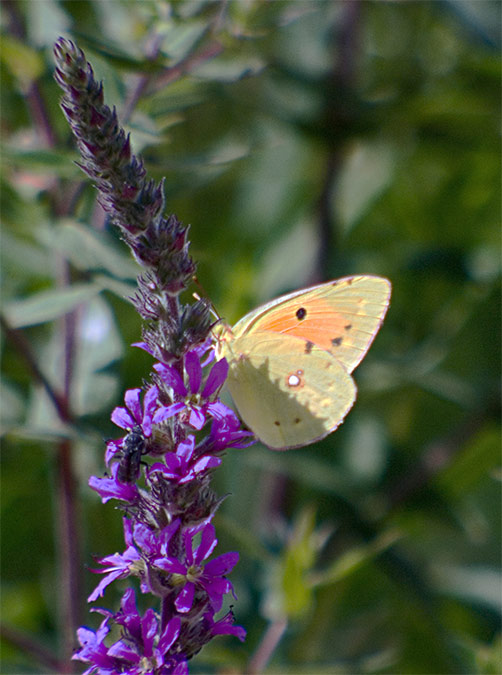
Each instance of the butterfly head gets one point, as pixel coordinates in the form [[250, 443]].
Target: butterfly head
[[222, 335]]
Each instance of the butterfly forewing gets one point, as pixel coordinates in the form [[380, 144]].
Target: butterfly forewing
[[289, 392], [341, 316]]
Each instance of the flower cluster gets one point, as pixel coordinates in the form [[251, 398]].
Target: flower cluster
[[176, 428], [168, 533]]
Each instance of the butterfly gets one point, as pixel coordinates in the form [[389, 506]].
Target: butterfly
[[290, 360]]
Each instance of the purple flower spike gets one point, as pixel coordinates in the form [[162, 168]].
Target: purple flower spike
[[168, 533]]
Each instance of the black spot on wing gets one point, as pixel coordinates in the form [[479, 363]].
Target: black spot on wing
[[301, 313], [336, 342], [309, 346], [348, 326]]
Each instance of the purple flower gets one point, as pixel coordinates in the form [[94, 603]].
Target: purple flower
[[94, 651], [118, 566], [226, 432], [143, 648], [196, 395], [193, 575], [203, 350], [180, 466], [137, 420], [143, 545], [112, 488], [146, 646], [225, 626], [134, 414]]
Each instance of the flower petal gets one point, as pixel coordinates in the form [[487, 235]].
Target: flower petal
[[215, 378], [169, 635], [132, 401], [207, 544], [170, 565], [196, 418], [109, 488], [194, 371], [167, 411], [121, 417], [185, 449], [221, 565], [105, 581], [172, 378], [184, 601]]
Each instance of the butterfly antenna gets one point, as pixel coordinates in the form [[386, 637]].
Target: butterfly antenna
[[217, 317]]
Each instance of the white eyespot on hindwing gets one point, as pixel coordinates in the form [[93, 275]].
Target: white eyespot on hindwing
[[295, 379]]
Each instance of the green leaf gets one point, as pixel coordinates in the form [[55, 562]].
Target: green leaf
[[48, 305], [479, 457], [59, 162], [89, 249], [299, 558], [352, 560], [23, 61]]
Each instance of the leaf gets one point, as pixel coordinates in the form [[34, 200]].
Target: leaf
[[352, 560], [116, 56], [48, 305], [23, 61], [59, 162], [88, 249], [299, 558], [473, 464]]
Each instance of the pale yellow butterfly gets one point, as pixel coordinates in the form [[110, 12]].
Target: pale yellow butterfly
[[290, 360]]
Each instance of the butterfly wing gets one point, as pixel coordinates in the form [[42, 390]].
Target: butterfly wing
[[288, 391], [341, 317]]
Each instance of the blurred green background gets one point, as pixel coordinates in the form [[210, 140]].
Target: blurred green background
[[302, 141]]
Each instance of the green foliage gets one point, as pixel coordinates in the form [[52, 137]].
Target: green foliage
[[303, 141]]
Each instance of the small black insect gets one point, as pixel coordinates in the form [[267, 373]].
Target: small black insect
[[133, 448]]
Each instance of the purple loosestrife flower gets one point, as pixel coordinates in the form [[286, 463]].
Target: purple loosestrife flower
[[143, 648], [179, 421], [112, 488], [196, 397], [134, 414], [193, 577], [180, 466]]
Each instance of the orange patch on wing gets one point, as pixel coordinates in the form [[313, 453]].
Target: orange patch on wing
[[319, 323]]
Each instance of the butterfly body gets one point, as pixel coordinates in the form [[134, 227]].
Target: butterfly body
[[290, 359]]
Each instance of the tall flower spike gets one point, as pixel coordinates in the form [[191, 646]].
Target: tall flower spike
[[177, 419], [135, 204]]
